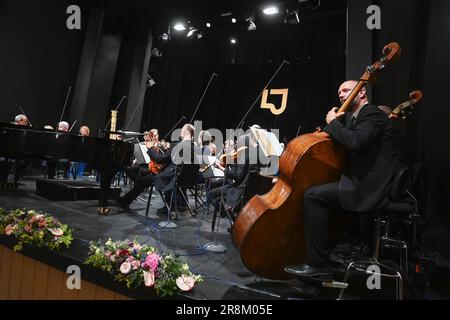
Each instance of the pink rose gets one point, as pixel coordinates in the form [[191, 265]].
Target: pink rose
[[27, 228], [108, 253], [149, 278], [136, 264], [125, 267], [9, 229], [151, 262]]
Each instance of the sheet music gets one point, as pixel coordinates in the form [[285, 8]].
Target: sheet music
[[144, 153], [268, 142]]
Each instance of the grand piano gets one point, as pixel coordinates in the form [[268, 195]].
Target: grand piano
[[106, 155]]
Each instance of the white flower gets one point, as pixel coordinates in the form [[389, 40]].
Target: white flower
[[56, 231], [125, 267], [149, 278], [185, 282]]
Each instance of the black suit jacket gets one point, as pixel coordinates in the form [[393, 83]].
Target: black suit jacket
[[371, 162], [164, 181]]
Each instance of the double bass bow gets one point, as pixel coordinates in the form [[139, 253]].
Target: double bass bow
[[269, 230]]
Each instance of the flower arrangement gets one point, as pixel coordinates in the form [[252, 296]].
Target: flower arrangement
[[34, 227], [138, 264]]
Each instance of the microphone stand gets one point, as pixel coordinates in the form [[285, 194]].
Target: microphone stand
[[64, 108], [23, 112], [140, 99], [215, 246]]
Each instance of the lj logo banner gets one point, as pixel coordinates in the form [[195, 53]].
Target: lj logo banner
[[284, 96]]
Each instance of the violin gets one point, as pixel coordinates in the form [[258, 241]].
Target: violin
[[405, 108], [161, 147], [226, 159]]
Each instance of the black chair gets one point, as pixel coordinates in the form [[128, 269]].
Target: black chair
[[187, 178], [403, 210]]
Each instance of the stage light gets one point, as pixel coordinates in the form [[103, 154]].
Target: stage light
[[233, 20], [271, 10], [191, 32], [208, 25], [250, 24], [291, 17], [165, 37], [233, 41], [179, 26]]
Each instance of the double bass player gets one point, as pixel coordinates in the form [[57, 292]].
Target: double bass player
[[368, 139]]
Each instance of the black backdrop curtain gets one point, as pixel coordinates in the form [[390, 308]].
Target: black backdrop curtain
[[315, 51]]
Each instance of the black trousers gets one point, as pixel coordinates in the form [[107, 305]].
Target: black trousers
[[319, 202], [139, 185]]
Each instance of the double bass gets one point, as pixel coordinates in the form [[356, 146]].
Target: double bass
[[269, 230], [406, 106]]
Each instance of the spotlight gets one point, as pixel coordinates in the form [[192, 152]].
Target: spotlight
[[291, 17], [233, 41], [250, 24], [233, 20], [208, 25], [165, 36], [271, 10], [179, 26], [191, 32]]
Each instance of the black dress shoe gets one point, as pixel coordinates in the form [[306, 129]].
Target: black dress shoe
[[307, 271]]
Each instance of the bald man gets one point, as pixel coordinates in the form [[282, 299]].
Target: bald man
[[367, 135]]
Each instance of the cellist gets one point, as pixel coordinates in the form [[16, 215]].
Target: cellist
[[368, 138]]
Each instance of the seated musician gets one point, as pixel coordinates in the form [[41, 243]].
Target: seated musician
[[204, 142], [136, 170], [21, 120], [367, 136], [163, 180], [64, 164], [84, 131], [235, 175]]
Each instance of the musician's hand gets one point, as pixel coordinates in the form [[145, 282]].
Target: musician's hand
[[217, 163], [333, 114], [149, 144]]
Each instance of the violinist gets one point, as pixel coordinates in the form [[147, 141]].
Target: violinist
[[136, 170], [157, 146], [162, 180], [235, 175], [367, 136]]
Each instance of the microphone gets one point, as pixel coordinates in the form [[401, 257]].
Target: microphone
[[215, 74], [287, 62]]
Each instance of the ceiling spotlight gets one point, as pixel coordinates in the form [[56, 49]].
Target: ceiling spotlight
[[233, 20], [165, 36], [179, 26], [191, 32], [271, 10], [208, 25], [199, 35], [250, 24], [292, 17], [233, 41]]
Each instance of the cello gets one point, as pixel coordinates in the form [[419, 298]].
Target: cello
[[269, 230], [406, 106]]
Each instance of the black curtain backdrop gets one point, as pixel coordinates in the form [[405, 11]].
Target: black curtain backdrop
[[315, 51]]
